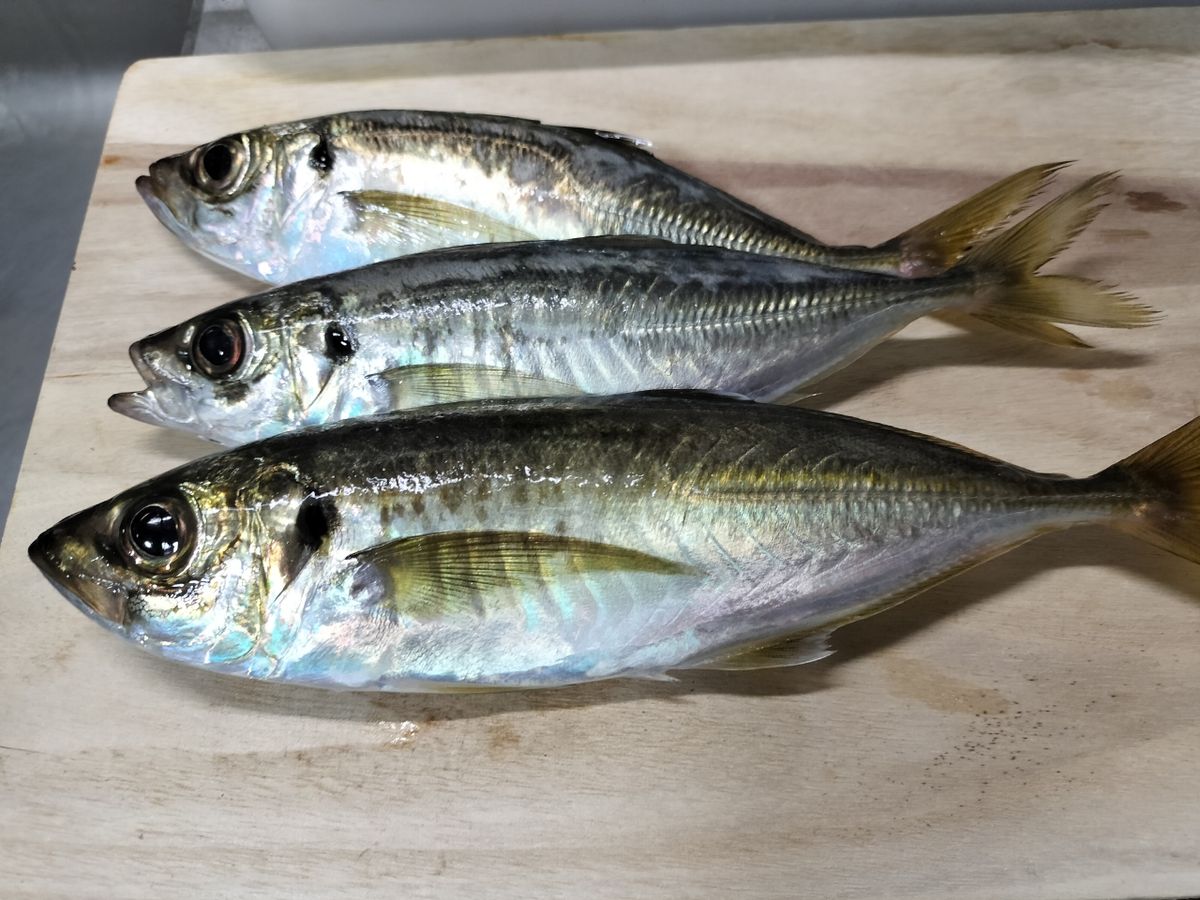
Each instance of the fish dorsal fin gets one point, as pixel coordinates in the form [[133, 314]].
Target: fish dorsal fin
[[615, 137], [425, 222], [792, 651], [622, 138], [443, 574], [425, 385]]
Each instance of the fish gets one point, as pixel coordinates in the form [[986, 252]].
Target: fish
[[520, 544], [602, 315], [300, 199]]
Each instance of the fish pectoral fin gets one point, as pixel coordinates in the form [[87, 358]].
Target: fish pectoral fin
[[423, 385], [793, 651], [425, 221], [430, 576]]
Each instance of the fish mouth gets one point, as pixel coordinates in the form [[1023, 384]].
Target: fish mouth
[[148, 191], [155, 195], [84, 594], [142, 406]]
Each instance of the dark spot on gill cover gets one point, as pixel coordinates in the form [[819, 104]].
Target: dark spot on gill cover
[[1152, 201], [339, 345], [314, 521], [321, 156]]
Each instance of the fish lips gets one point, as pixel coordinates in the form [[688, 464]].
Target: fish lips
[[99, 602], [143, 405], [156, 194]]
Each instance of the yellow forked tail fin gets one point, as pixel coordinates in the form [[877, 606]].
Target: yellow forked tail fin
[[1020, 300], [938, 243], [1166, 478]]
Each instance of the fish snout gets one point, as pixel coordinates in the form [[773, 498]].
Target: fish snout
[[160, 191], [138, 405], [62, 556]]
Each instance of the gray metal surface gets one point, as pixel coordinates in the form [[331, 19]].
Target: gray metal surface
[[60, 63]]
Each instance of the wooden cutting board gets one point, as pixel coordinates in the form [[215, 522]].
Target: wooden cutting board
[[1031, 729]]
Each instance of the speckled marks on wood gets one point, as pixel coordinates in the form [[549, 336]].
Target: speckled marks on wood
[[919, 680]]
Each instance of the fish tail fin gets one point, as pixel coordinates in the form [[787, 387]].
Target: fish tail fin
[[938, 243], [1014, 297], [1164, 480]]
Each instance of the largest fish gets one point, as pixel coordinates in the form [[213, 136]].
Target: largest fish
[[520, 544], [300, 199]]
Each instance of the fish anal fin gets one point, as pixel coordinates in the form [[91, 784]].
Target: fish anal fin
[[432, 576], [434, 383], [424, 222], [792, 651]]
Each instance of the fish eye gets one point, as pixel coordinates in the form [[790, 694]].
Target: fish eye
[[156, 534], [218, 167], [219, 347]]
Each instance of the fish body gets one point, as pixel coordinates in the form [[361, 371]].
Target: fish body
[[534, 543], [589, 316], [296, 200]]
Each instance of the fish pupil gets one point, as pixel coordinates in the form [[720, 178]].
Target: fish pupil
[[321, 157], [217, 162], [154, 532], [337, 342], [218, 348]]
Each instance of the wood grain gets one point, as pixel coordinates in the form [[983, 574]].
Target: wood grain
[[1026, 730]]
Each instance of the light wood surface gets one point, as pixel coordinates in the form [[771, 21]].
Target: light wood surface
[[1030, 729]]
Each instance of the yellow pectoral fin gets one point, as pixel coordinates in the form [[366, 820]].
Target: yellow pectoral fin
[[432, 576], [424, 385], [427, 222]]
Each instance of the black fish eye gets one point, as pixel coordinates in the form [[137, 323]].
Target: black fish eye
[[218, 347], [217, 168], [217, 162], [155, 534]]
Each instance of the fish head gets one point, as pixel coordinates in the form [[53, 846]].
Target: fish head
[[247, 201], [244, 371], [187, 564]]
